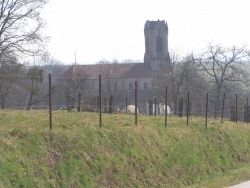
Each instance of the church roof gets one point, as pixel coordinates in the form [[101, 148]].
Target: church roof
[[138, 70], [126, 70]]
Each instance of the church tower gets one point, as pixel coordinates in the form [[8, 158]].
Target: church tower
[[156, 45]]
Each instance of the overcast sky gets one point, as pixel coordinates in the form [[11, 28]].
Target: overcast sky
[[113, 29]]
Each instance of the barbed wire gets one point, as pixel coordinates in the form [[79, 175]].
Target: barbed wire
[[63, 77], [62, 90], [74, 78]]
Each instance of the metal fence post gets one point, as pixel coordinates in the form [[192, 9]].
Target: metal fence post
[[50, 103], [247, 110], [222, 110], [206, 111], [79, 102], [135, 102], [187, 108], [126, 105], [166, 109], [100, 101], [68, 102], [236, 108], [155, 108]]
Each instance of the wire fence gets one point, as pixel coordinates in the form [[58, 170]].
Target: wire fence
[[109, 94]]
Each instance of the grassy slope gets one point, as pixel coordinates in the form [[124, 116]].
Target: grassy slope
[[77, 153]]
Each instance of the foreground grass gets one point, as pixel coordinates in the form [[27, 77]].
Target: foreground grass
[[78, 153]]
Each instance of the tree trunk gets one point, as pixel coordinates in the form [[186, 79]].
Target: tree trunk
[[217, 105], [181, 107], [175, 106], [3, 105], [150, 108], [2, 101], [111, 104], [31, 93], [232, 113]]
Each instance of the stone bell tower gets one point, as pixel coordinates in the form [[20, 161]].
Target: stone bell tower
[[156, 45]]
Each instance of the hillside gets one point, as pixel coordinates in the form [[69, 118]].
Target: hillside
[[78, 153]]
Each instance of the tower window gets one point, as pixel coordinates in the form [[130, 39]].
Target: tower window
[[159, 44], [145, 86]]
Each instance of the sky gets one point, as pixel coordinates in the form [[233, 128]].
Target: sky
[[93, 30]]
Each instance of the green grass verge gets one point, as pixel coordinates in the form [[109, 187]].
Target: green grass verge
[[78, 153]]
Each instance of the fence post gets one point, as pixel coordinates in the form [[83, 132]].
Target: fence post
[[187, 108], [73, 101], [79, 102], [135, 102], [50, 103], [222, 110], [100, 101], [206, 110], [166, 109], [97, 103], [126, 105], [247, 110], [68, 102], [236, 108], [155, 108]]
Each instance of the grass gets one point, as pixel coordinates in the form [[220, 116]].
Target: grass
[[78, 153]]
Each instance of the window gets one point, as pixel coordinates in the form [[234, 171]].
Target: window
[[159, 44], [145, 86], [160, 65]]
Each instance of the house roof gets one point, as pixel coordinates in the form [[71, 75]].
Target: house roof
[[126, 70]]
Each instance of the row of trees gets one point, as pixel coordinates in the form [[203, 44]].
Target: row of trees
[[217, 70], [25, 86]]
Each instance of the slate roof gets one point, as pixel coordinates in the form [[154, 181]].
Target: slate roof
[[138, 70], [126, 70]]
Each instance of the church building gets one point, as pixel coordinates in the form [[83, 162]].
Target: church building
[[156, 45], [118, 79]]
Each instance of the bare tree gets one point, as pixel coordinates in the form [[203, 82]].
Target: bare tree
[[20, 27], [55, 67], [184, 76], [10, 72], [113, 84], [77, 84], [223, 66], [33, 84], [20, 35], [177, 77]]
